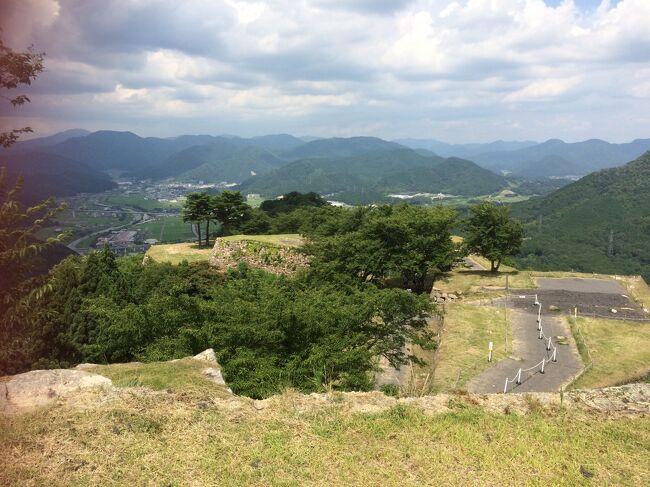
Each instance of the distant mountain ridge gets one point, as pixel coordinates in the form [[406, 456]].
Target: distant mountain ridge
[[582, 157], [463, 150], [367, 177]]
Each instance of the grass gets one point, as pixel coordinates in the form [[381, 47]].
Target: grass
[[619, 351], [160, 441], [286, 239], [483, 283], [462, 353], [181, 376], [166, 229], [139, 201], [177, 253]]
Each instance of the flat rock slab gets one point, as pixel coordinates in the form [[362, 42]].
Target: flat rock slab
[[604, 286], [44, 387]]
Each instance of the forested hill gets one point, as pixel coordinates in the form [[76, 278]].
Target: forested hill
[[52, 175], [600, 223], [221, 160], [369, 176]]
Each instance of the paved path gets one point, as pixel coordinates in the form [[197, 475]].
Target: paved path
[[605, 286], [528, 350]]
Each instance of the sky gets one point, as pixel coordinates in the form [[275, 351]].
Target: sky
[[457, 71]]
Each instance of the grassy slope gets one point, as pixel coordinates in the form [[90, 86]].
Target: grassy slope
[[463, 351], [183, 376], [157, 440], [619, 351]]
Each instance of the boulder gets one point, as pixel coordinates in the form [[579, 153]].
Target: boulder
[[207, 355], [215, 376], [86, 366], [44, 387]]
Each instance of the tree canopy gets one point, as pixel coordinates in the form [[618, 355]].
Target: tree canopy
[[492, 234]]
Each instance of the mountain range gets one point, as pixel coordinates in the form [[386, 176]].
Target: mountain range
[[361, 168]]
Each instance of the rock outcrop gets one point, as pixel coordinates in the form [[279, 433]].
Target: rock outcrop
[[46, 387]]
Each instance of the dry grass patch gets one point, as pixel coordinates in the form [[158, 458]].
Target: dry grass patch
[[177, 253], [156, 441], [619, 351], [180, 377], [462, 353]]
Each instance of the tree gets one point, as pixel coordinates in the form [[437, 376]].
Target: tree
[[230, 208], [17, 68], [18, 224], [492, 234], [198, 209], [374, 244], [425, 246]]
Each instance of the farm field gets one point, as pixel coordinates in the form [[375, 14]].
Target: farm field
[[138, 201], [166, 229]]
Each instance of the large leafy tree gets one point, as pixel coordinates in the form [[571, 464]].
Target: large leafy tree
[[377, 243], [230, 208], [197, 210], [491, 233]]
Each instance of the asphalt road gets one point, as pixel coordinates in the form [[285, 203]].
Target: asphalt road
[[529, 350]]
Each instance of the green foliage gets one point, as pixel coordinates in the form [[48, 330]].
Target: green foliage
[[492, 234], [291, 201], [570, 229], [17, 68], [269, 332], [373, 243], [230, 208], [369, 177]]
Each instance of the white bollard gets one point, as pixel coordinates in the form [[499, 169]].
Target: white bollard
[[543, 362], [555, 354], [548, 345], [490, 346], [519, 376], [540, 332], [505, 387]]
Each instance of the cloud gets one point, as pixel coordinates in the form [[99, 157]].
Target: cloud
[[456, 70]]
